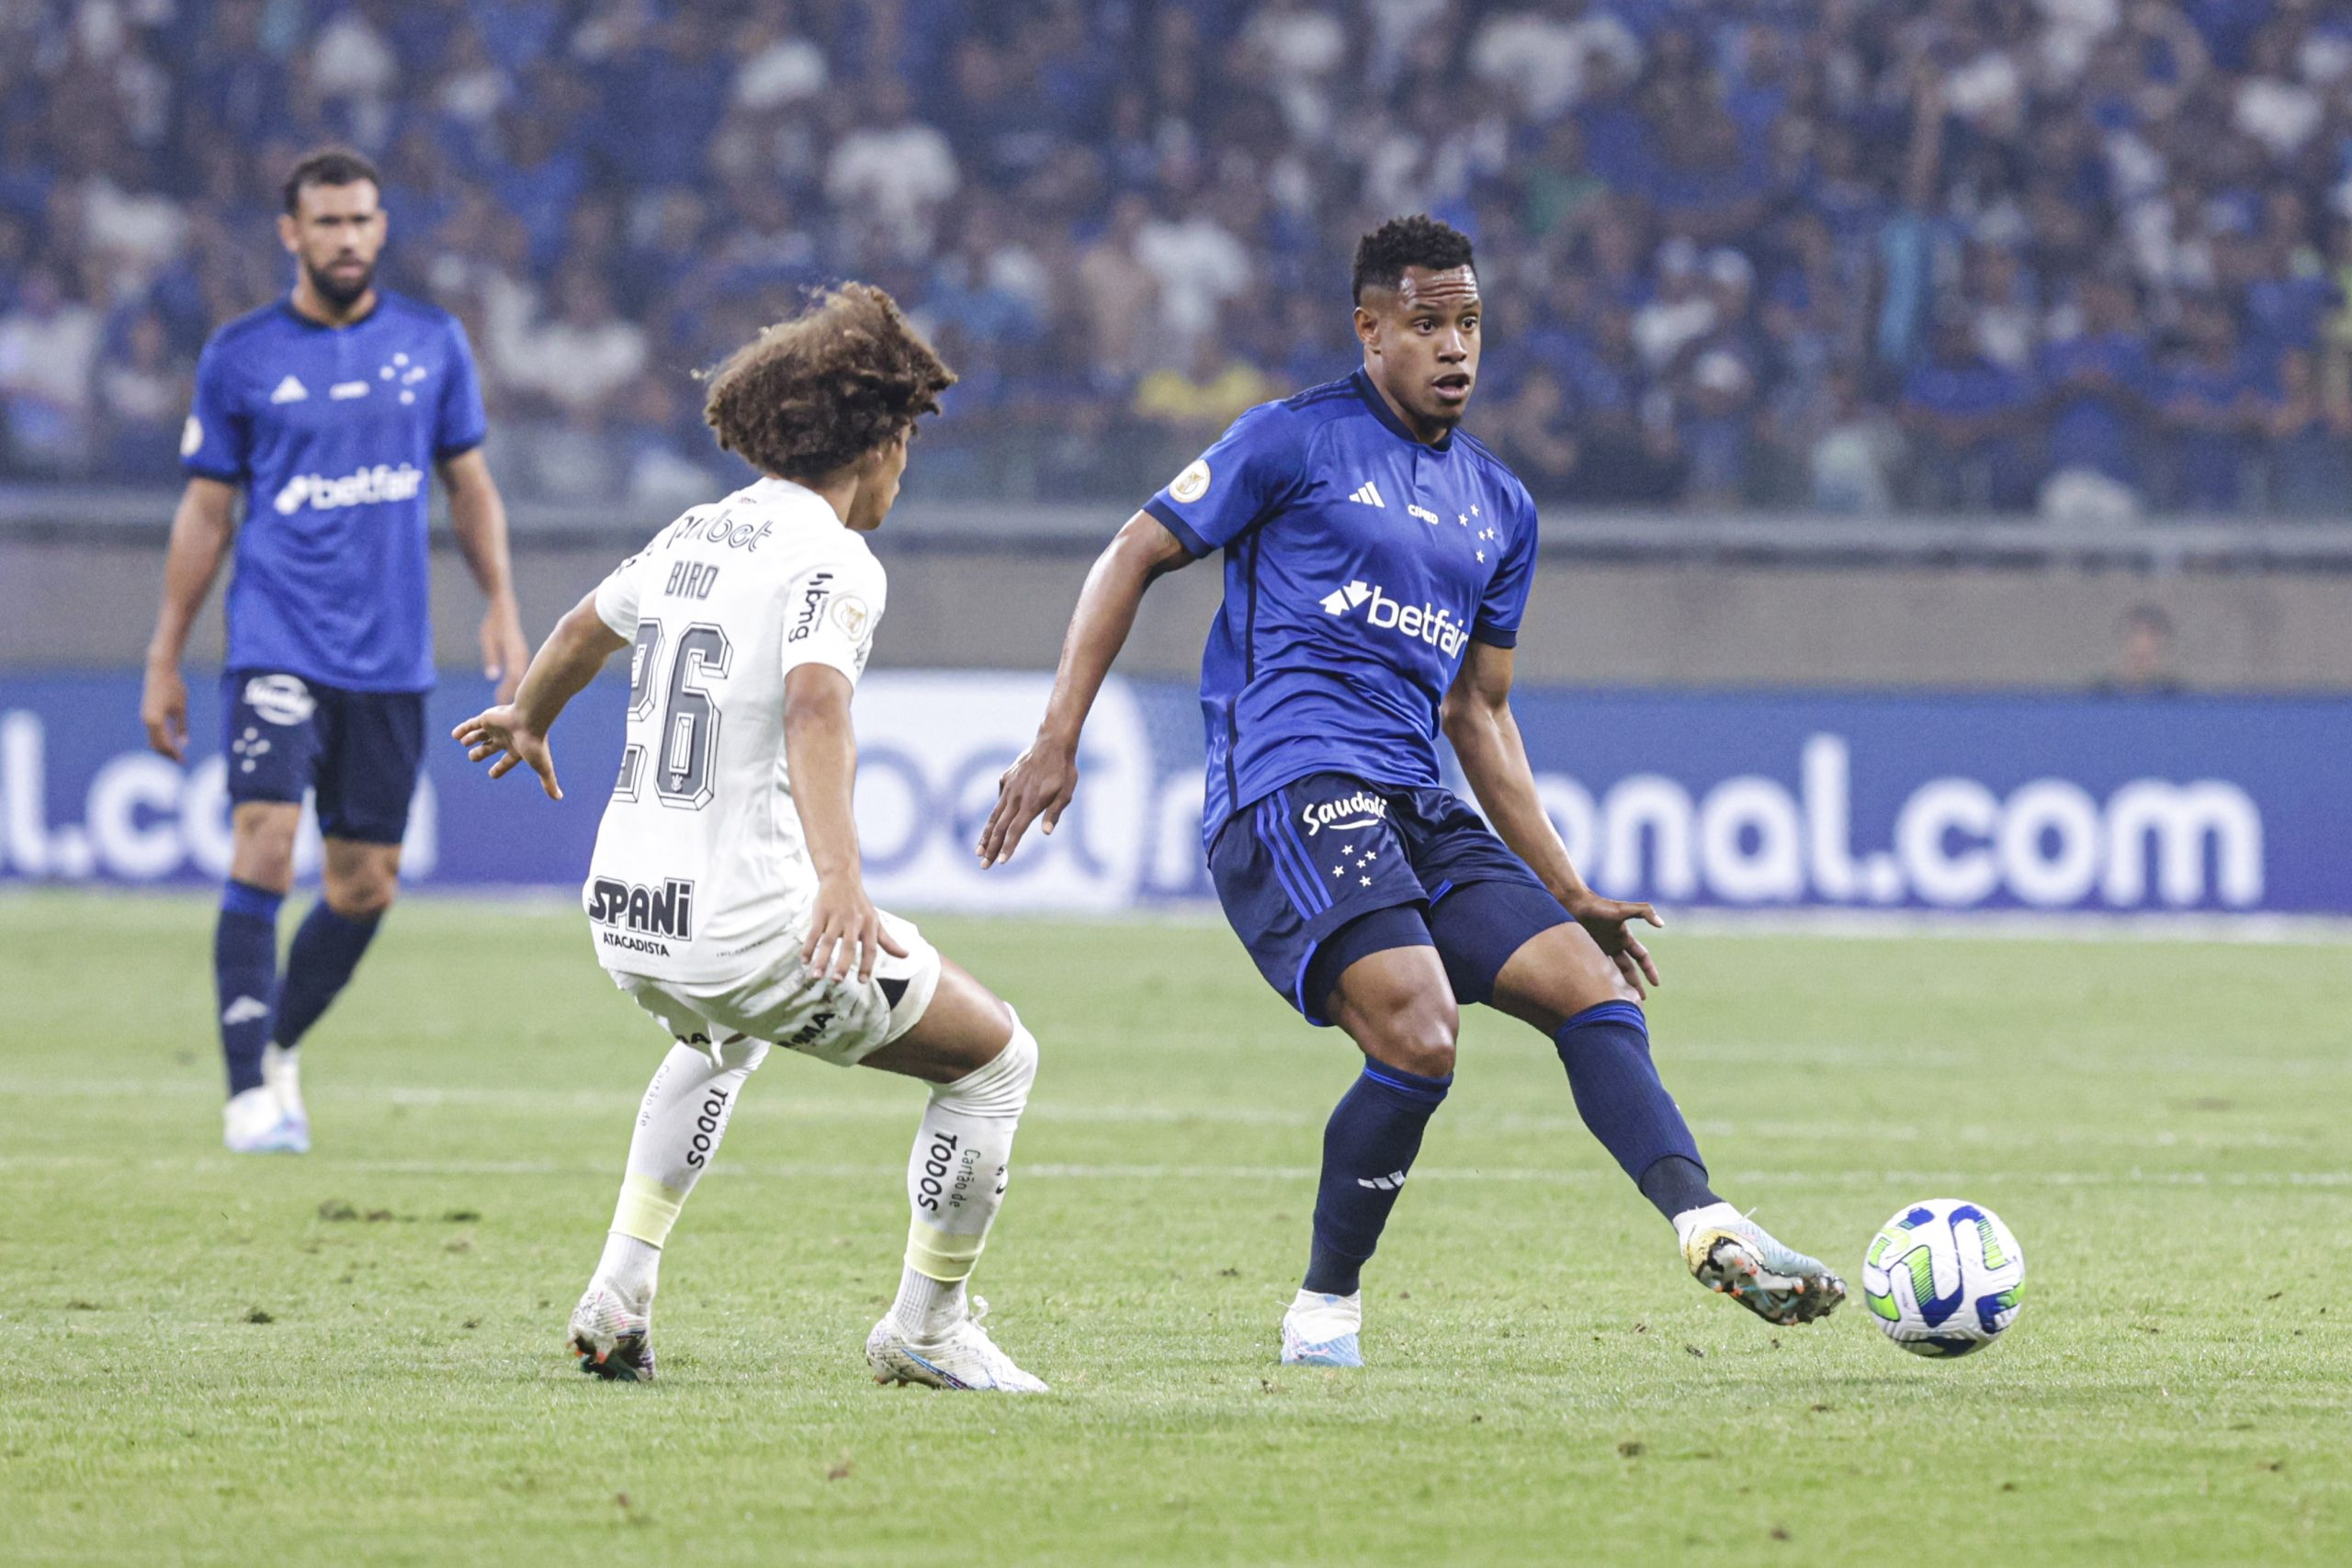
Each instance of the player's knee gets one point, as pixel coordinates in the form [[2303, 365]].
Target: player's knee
[[1417, 1036], [998, 1086], [365, 896], [262, 848]]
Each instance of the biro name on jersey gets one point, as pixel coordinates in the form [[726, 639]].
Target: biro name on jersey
[[359, 488], [649, 914]]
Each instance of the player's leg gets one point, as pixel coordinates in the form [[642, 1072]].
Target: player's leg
[[1385, 987], [271, 740], [1509, 943], [371, 750], [979, 1061], [680, 1124], [1316, 882]]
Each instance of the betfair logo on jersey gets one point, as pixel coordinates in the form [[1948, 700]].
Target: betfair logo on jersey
[[1424, 623], [362, 487], [669, 912]]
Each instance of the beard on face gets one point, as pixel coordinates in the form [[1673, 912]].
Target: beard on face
[[336, 292]]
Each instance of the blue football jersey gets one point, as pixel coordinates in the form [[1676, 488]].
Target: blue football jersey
[[1359, 564], [333, 433]]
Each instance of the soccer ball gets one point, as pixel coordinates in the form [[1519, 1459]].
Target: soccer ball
[[1943, 1277]]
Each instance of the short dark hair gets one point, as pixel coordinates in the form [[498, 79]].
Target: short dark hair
[[819, 390], [327, 166], [1383, 255]]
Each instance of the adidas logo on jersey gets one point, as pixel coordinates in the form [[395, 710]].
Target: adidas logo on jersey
[[1424, 623], [289, 391], [1368, 494], [360, 488]]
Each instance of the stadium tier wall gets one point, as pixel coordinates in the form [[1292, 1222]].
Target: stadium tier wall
[[84, 599]]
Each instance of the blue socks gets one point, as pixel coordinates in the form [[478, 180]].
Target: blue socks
[[1607, 1052], [1368, 1148], [326, 950], [244, 974], [253, 1008]]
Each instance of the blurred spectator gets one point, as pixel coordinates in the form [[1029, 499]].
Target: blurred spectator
[[2214, 410], [2099, 382], [2143, 663], [142, 398], [49, 344], [1208, 394], [1969, 414]]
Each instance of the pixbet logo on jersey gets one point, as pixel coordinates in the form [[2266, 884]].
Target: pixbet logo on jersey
[[1427, 623], [359, 488]]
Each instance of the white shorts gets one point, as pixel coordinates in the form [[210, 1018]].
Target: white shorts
[[842, 1022]]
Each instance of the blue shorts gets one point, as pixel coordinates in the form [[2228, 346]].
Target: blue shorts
[[1299, 870], [361, 751]]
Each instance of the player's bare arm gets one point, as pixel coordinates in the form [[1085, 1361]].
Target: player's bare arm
[[202, 526], [477, 517], [1044, 777], [516, 731], [845, 932], [1478, 720]]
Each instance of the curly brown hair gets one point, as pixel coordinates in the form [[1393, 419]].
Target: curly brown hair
[[814, 393]]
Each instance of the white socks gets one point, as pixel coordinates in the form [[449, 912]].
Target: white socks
[[684, 1116], [955, 1181], [1716, 1213]]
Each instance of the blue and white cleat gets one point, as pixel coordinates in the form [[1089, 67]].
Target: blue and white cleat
[[964, 1359], [613, 1339], [1323, 1331], [1729, 1253], [283, 1077], [253, 1122]]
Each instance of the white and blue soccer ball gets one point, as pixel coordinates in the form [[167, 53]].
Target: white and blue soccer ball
[[1944, 1277]]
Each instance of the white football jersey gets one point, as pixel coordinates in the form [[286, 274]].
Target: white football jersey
[[701, 872]]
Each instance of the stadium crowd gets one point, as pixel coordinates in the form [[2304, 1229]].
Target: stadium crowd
[[2080, 257]]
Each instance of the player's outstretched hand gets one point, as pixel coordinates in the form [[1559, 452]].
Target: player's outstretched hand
[[498, 732], [1039, 783], [1610, 922], [845, 932], [163, 708]]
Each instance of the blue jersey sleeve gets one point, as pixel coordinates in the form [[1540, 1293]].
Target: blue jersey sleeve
[[462, 424], [1233, 486], [1505, 600], [217, 441]]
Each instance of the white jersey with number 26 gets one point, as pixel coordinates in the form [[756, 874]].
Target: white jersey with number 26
[[701, 872]]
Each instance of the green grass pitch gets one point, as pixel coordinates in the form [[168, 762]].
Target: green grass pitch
[[355, 1357]]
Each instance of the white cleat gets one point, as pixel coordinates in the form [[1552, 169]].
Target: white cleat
[[963, 1357], [253, 1122], [613, 1339], [1323, 1331], [281, 1072], [1738, 1257]]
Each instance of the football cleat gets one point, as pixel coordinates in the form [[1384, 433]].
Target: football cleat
[[964, 1358], [281, 1072], [253, 1122], [1322, 1331], [613, 1341], [1779, 1284]]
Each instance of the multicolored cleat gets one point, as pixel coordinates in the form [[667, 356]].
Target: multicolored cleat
[[1323, 1330], [1777, 1283], [964, 1359], [613, 1341]]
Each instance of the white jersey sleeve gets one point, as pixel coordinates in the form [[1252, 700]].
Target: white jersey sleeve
[[617, 597], [832, 611]]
